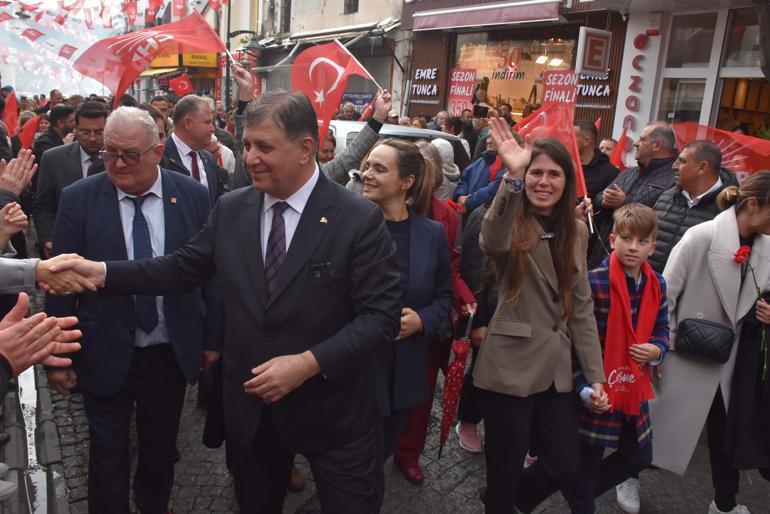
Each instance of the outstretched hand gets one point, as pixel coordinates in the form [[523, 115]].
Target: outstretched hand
[[515, 157], [244, 80], [18, 172], [383, 103]]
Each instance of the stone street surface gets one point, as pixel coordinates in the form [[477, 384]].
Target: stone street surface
[[203, 484]]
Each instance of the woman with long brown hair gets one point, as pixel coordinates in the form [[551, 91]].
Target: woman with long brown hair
[[544, 315]]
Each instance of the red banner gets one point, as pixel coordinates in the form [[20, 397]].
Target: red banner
[[181, 85], [616, 157], [179, 7], [462, 82], [32, 34], [742, 154], [559, 86], [11, 114], [66, 51]]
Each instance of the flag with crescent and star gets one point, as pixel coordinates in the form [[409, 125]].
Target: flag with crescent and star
[[321, 72]]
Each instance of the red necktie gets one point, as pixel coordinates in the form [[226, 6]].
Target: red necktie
[[196, 173]]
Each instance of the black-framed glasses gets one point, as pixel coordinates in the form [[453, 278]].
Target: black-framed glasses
[[130, 158]]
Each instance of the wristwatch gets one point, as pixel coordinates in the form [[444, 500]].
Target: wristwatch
[[514, 185]]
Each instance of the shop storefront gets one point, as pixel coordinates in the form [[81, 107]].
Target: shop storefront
[[201, 68], [506, 48], [700, 66]]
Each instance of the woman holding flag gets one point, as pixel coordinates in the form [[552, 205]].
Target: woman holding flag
[[544, 314]]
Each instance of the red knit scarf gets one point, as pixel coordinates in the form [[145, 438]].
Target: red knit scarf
[[628, 383], [494, 168]]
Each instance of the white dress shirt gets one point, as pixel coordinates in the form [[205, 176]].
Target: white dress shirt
[[184, 154], [692, 202], [85, 161], [152, 208], [291, 216]]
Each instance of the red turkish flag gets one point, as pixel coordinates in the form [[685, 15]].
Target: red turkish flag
[[117, 61], [598, 124], [181, 85], [11, 114], [179, 7], [28, 131], [616, 157], [556, 120], [129, 9], [321, 73], [66, 51], [215, 4], [32, 34], [742, 154]]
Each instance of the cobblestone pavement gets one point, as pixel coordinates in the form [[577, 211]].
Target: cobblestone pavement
[[203, 484]]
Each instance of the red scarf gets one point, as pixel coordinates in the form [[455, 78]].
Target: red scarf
[[494, 168], [628, 383]]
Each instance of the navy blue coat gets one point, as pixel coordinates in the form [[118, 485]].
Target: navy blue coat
[[474, 182], [402, 371], [216, 177], [88, 223]]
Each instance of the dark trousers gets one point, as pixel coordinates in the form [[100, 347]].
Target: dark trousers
[[469, 409], [512, 423], [390, 429], [411, 443], [344, 476], [156, 386], [723, 475], [598, 475]]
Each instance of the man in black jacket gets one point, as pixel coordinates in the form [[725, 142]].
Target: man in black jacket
[[62, 119], [655, 154], [597, 170], [692, 200]]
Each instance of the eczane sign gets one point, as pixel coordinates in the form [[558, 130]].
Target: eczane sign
[[593, 52]]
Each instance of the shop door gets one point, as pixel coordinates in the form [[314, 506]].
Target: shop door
[[681, 100]]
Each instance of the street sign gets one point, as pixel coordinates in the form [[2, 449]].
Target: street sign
[[593, 52]]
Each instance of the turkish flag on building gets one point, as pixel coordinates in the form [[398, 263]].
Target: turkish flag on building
[[181, 85], [179, 7], [32, 34], [66, 51], [28, 131], [321, 73], [117, 61], [556, 120], [742, 154], [11, 114], [616, 157]]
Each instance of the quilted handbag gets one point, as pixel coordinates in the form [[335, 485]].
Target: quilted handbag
[[704, 338]]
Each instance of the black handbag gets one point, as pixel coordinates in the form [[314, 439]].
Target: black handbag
[[704, 338]]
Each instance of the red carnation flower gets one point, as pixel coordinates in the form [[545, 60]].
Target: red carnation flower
[[742, 254]]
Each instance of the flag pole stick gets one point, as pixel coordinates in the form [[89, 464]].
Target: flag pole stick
[[232, 59], [590, 214], [359, 63]]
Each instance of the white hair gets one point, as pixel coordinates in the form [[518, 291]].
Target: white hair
[[131, 116]]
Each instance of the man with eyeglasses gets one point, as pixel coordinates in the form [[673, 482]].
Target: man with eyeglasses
[[138, 351], [64, 165]]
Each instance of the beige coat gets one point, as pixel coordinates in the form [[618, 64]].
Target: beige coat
[[704, 282], [528, 345]]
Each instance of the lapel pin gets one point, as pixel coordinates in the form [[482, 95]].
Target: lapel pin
[[173, 199], [323, 219]]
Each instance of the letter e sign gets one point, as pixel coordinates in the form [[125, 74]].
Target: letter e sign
[[593, 52]]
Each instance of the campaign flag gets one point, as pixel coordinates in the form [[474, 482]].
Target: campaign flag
[[5, 16], [11, 113], [179, 7], [106, 15], [181, 85], [66, 51], [616, 157], [130, 9], [32, 34], [215, 4], [321, 72], [28, 131], [598, 123], [741, 154], [117, 61], [556, 120]]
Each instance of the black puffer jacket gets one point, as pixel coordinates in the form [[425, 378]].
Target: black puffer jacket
[[599, 173], [640, 186], [674, 217]]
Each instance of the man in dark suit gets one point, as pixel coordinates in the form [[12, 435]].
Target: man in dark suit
[[185, 149], [65, 165], [313, 293], [136, 351], [62, 118]]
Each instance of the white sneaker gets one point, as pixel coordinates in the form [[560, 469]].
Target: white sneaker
[[627, 495], [7, 489], [738, 509]]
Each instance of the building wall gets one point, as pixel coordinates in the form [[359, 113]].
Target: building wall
[[324, 14]]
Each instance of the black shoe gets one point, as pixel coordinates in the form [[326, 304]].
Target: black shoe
[[4, 438]]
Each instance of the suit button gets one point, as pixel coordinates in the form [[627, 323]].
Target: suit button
[[555, 328]]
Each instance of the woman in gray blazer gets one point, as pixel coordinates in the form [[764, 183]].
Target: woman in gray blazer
[[544, 316]]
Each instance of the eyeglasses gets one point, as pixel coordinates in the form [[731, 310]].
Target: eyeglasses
[[129, 158]]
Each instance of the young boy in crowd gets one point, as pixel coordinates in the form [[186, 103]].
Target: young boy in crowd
[[632, 316]]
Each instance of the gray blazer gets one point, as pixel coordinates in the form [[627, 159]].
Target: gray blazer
[[17, 275], [336, 170]]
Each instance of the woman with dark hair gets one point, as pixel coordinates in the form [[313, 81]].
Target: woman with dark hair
[[393, 175], [412, 441], [709, 279], [544, 315]]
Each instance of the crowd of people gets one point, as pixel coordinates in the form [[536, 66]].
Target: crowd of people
[[180, 242]]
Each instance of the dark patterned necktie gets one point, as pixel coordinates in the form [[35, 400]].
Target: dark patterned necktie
[[196, 174], [145, 307], [276, 247]]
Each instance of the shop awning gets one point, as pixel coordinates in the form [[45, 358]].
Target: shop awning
[[344, 33], [502, 13], [154, 72]]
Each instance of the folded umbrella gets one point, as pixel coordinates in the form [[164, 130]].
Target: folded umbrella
[[453, 383]]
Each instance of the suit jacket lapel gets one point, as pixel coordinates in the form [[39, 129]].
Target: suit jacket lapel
[[760, 262], [109, 215], [541, 254], [725, 272], [251, 238], [310, 231], [417, 254], [74, 168], [171, 153], [172, 214]]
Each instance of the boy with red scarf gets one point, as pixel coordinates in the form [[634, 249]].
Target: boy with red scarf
[[632, 317]]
